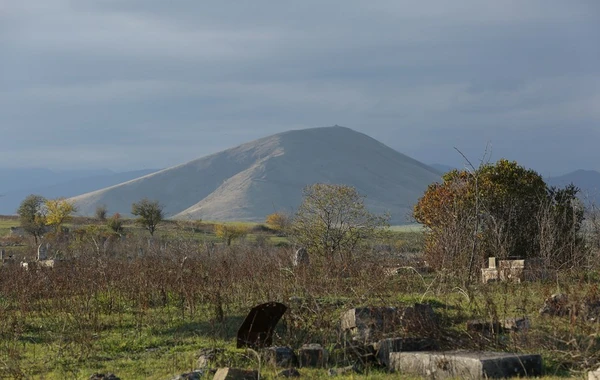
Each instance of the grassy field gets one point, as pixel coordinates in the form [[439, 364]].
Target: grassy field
[[145, 309]]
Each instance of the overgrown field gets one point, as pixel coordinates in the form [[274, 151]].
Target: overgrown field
[[143, 309]]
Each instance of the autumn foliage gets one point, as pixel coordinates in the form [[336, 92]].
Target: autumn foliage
[[230, 232], [494, 210], [58, 212]]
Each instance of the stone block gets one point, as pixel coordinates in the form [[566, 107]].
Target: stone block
[[419, 320], [343, 371], [385, 347], [235, 374], [520, 324], [594, 375], [312, 355], [466, 364], [483, 327], [290, 372], [280, 357], [194, 375], [366, 323], [369, 324], [368, 316]]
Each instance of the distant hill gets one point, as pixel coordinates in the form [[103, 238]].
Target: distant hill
[[52, 184], [587, 180], [255, 179], [442, 168]]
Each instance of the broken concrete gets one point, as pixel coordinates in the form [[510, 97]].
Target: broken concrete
[[312, 355], [235, 374], [466, 364]]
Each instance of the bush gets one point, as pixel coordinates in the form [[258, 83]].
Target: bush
[[101, 212], [115, 223]]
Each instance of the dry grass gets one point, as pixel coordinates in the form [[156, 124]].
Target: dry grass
[[143, 309]]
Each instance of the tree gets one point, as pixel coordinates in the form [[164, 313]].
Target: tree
[[32, 215], [230, 232], [490, 211], [332, 220], [278, 221], [560, 220], [58, 212], [149, 213]]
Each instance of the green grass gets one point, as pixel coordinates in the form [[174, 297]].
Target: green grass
[[103, 317], [413, 227], [6, 223]]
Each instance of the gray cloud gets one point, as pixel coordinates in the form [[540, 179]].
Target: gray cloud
[[129, 84]]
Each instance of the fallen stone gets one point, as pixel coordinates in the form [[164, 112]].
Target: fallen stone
[[101, 376], [466, 364], [257, 329], [483, 327], [208, 356], [290, 372], [594, 375], [312, 355], [235, 374], [384, 347], [419, 320], [342, 371], [280, 357], [194, 375], [556, 305], [368, 323], [521, 324]]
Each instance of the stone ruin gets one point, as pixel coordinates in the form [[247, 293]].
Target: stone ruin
[[560, 305], [301, 257], [42, 260], [512, 270], [400, 339]]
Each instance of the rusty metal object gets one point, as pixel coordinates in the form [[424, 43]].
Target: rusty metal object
[[257, 329]]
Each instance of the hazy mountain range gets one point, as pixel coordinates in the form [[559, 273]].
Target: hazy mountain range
[[252, 180], [53, 184]]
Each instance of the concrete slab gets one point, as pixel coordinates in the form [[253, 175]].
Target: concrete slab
[[466, 364]]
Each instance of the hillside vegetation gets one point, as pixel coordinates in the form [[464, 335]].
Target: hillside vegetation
[[144, 309]]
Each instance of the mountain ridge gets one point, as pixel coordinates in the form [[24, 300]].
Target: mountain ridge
[[251, 180]]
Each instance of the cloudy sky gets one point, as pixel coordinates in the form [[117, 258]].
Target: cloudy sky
[[131, 84]]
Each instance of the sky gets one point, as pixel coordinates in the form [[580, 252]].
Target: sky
[[133, 84]]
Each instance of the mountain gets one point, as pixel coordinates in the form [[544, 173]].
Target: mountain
[[587, 180], [442, 168], [52, 184], [255, 179]]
